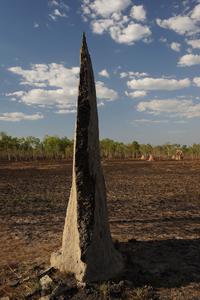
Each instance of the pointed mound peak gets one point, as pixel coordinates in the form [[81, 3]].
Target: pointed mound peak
[[84, 39], [84, 47]]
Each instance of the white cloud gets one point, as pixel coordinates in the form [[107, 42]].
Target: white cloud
[[138, 13], [104, 73], [58, 3], [47, 97], [189, 50], [194, 43], [185, 24], [53, 2], [123, 74], [130, 34], [196, 81], [189, 60], [153, 84], [54, 18], [101, 25], [42, 75], [133, 74], [180, 122], [54, 84], [57, 13], [106, 16], [105, 93], [175, 46], [19, 116], [148, 121], [36, 25], [173, 107], [100, 104], [105, 8], [59, 9], [179, 24], [136, 94], [15, 94], [66, 111], [163, 40], [195, 14]]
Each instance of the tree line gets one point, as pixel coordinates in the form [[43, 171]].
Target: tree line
[[54, 148]]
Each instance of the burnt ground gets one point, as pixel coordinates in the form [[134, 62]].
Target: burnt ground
[[154, 210]]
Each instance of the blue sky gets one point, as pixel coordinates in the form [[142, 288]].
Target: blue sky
[[146, 60]]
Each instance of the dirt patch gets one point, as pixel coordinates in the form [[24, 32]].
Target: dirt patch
[[154, 210]]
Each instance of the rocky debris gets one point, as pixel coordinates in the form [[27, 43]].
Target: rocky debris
[[46, 282], [33, 292], [45, 297], [14, 283], [59, 286], [64, 289], [142, 293], [47, 271], [81, 285], [116, 289]]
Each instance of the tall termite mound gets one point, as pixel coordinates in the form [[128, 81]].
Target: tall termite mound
[[87, 247]]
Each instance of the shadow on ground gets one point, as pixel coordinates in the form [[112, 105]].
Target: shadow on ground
[[163, 263]]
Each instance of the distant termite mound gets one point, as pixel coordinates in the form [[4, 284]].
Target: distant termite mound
[[151, 158], [178, 155]]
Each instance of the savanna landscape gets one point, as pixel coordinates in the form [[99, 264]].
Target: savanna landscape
[[99, 166]]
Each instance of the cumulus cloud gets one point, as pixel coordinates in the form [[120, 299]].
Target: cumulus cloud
[[148, 121], [107, 16], [43, 75], [58, 9], [15, 94], [195, 13], [185, 24], [163, 40], [133, 74], [104, 73], [195, 44], [101, 25], [153, 84], [57, 13], [19, 116], [66, 111], [138, 12], [175, 46], [105, 8], [130, 34], [196, 81], [53, 84], [180, 24], [189, 60], [105, 93], [136, 94], [175, 107], [36, 25], [47, 97]]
